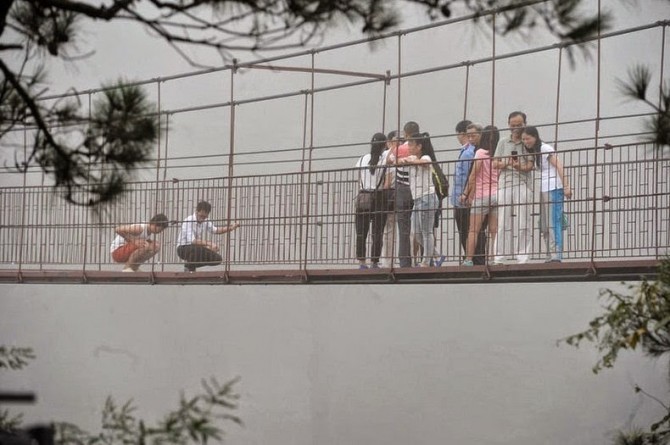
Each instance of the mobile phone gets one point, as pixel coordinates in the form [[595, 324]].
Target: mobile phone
[[514, 154]]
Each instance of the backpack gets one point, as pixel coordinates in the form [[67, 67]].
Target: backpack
[[440, 182]]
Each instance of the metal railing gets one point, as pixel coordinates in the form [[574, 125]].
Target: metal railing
[[620, 211]]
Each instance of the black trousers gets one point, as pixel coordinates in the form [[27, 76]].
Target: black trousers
[[462, 217], [403, 216], [375, 216], [198, 256]]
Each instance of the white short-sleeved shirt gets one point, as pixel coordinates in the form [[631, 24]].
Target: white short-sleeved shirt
[[121, 241], [421, 178], [550, 179], [368, 180], [192, 230]]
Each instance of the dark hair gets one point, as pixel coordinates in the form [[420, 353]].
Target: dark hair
[[377, 147], [535, 149], [160, 220], [204, 206], [391, 135], [490, 138], [517, 113], [462, 126], [427, 149], [411, 128]]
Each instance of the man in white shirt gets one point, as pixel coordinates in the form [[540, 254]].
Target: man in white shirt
[[192, 247], [515, 193]]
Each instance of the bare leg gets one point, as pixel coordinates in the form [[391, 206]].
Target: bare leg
[[142, 255], [475, 223], [493, 231]]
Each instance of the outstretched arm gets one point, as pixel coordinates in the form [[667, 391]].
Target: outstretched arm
[[230, 228]]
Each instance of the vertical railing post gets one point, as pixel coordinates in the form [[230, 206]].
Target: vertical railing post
[[657, 154], [467, 87], [308, 192], [304, 135], [86, 214], [394, 238], [23, 199], [158, 156], [493, 68], [399, 79], [163, 183], [231, 161], [387, 81], [556, 119], [302, 176], [558, 95], [597, 143]]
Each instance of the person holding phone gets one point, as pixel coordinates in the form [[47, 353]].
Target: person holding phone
[[515, 165]]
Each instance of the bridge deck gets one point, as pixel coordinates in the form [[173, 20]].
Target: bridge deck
[[629, 270]]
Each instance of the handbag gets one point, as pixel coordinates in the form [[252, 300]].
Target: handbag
[[364, 201]]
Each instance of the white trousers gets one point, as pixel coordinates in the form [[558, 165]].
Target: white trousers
[[514, 200], [388, 246]]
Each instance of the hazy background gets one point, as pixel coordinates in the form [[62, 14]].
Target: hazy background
[[345, 119], [348, 364], [344, 364]]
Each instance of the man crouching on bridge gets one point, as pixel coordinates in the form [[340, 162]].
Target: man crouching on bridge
[[132, 244], [191, 247]]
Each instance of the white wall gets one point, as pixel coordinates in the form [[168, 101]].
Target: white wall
[[390, 364]]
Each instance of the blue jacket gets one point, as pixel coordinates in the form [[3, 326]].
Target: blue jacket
[[465, 157]]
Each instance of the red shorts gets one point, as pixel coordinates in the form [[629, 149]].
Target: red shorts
[[122, 254]]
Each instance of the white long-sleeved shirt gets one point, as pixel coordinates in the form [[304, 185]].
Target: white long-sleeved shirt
[[192, 230]]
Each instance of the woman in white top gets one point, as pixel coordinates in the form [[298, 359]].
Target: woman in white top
[[370, 206], [421, 158], [554, 188]]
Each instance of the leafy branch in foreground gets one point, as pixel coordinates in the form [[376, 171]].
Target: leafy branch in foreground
[[15, 358], [635, 88], [641, 319], [197, 420], [90, 157], [8, 422]]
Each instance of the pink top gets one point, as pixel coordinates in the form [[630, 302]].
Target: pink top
[[403, 151], [486, 181]]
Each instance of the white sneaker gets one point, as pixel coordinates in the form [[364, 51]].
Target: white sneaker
[[127, 269]]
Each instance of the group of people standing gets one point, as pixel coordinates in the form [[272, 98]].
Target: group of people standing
[[499, 184], [396, 189], [493, 181]]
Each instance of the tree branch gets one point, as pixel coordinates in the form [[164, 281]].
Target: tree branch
[[32, 106]]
